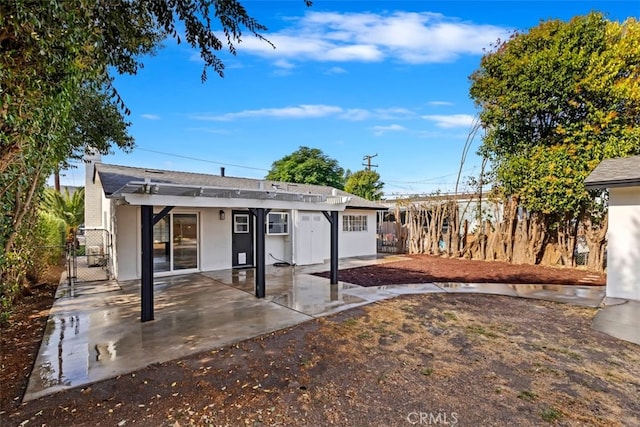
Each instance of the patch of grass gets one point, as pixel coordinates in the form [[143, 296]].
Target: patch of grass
[[382, 328], [407, 308], [540, 368], [480, 330], [632, 356], [550, 414], [527, 396], [364, 336], [352, 321], [450, 315], [571, 354], [426, 371]]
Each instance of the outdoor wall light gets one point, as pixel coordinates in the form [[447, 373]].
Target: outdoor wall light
[[221, 215]]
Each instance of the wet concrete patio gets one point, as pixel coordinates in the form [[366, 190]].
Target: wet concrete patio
[[94, 330]]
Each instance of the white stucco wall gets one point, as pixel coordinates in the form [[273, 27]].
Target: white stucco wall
[[357, 243], [127, 242], [279, 247], [112, 232], [215, 239], [623, 243], [214, 236]]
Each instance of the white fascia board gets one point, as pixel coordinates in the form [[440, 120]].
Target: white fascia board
[[218, 202]]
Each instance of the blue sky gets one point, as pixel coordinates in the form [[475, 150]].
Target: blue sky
[[352, 78]]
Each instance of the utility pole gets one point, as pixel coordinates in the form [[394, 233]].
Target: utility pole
[[368, 158]]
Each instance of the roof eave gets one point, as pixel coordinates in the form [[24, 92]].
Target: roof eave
[[612, 183], [368, 208]]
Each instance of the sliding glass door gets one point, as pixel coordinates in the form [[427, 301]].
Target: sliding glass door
[[175, 245], [185, 241]]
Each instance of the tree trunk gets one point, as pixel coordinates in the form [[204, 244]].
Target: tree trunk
[[596, 241]]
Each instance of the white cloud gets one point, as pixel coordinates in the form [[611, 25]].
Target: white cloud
[[356, 114], [394, 113], [440, 103], [407, 37], [380, 130], [451, 121], [150, 116], [314, 47], [305, 111], [362, 53], [295, 112], [335, 70], [283, 63]]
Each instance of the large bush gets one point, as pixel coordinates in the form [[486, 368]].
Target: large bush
[[51, 238], [41, 247]]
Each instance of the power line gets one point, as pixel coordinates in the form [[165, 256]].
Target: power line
[[200, 160], [427, 180]]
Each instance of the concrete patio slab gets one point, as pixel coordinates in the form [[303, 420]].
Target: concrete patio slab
[[99, 335], [479, 288], [305, 293], [411, 288], [589, 296], [94, 330]]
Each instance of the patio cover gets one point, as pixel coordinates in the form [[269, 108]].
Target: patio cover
[[150, 187]]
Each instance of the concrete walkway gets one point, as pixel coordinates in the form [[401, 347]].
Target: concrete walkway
[[94, 330], [619, 318]]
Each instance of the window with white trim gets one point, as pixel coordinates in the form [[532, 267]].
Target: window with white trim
[[354, 223], [278, 223], [240, 223]]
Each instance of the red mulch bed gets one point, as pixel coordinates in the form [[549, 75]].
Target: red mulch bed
[[428, 268]]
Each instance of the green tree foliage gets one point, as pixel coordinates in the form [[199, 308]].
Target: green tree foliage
[[554, 102], [366, 184], [308, 166], [56, 91]]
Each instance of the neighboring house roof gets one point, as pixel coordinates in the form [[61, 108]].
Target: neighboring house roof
[[117, 180], [618, 172]]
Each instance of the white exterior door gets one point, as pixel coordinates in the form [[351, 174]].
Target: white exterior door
[[310, 238]]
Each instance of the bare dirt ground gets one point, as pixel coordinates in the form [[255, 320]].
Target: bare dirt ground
[[465, 360]]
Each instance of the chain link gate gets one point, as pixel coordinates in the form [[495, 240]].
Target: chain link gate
[[88, 256]]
